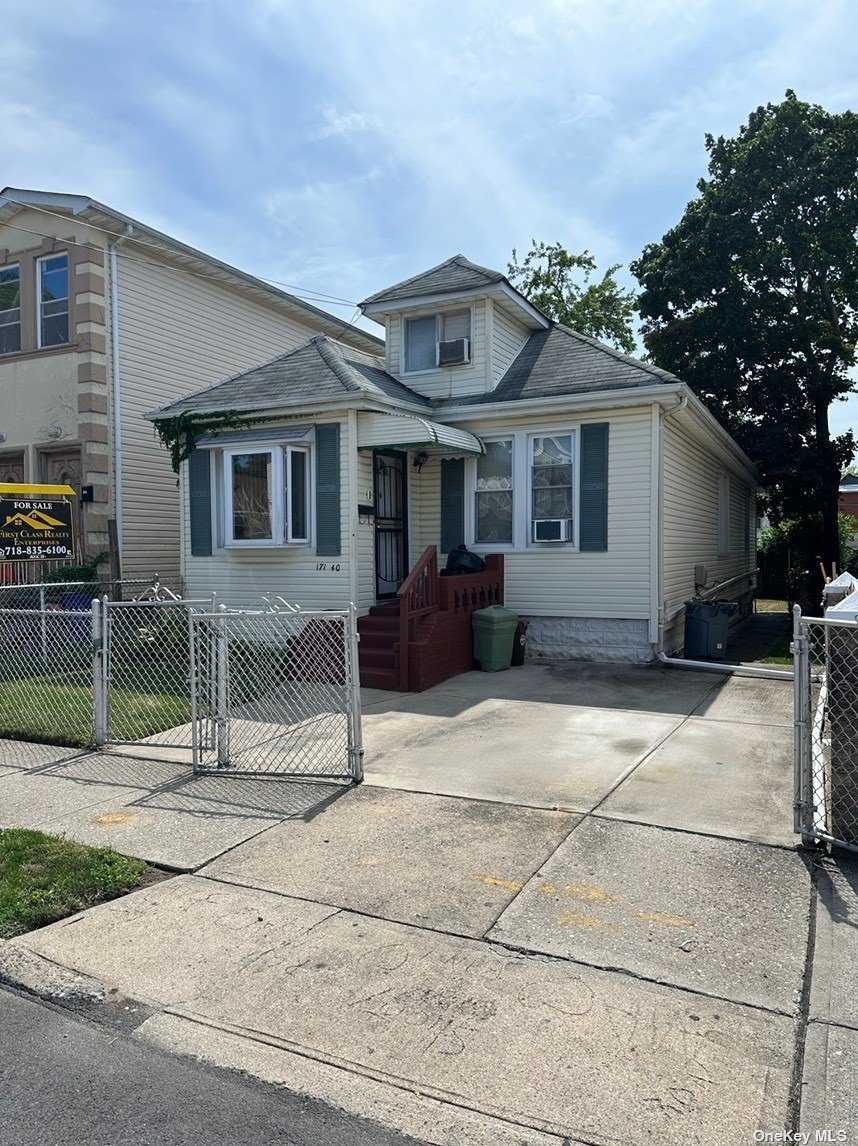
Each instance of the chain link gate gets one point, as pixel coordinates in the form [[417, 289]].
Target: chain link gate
[[273, 690], [143, 677], [825, 653], [276, 691]]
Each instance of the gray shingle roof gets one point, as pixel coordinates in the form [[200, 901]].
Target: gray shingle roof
[[450, 277], [319, 369], [14, 199], [559, 361]]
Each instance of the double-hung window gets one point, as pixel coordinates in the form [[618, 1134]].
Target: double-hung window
[[267, 496], [52, 285], [552, 485], [494, 494], [437, 339], [525, 490], [10, 310]]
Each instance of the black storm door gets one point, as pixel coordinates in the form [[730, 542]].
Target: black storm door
[[391, 521]]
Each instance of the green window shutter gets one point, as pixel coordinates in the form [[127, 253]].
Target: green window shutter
[[452, 503], [200, 499], [328, 541], [594, 486]]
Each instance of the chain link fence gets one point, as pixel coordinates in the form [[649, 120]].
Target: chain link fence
[[80, 594], [277, 691], [46, 675], [272, 690], [145, 690], [826, 745]]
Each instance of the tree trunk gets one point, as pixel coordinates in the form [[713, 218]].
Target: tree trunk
[[829, 480]]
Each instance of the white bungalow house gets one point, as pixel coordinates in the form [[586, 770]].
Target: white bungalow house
[[599, 488]]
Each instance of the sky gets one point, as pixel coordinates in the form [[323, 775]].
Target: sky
[[342, 145]]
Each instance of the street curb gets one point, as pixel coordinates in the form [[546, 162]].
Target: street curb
[[425, 1118], [404, 1108], [32, 974], [38, 976]]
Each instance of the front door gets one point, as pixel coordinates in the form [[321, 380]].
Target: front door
[[390, 468], [63, 467]]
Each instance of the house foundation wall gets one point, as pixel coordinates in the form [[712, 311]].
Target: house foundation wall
[[608, 639]]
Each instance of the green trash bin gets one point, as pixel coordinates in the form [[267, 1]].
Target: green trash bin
[[494, 631]]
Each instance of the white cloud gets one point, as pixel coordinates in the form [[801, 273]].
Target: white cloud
[[336, 123]]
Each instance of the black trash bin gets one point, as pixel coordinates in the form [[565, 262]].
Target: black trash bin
[[706, 624]]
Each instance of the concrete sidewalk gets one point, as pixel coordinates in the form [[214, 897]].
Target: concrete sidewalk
[[566, 905]]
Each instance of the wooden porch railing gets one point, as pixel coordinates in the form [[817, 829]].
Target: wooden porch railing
[[417, 596]]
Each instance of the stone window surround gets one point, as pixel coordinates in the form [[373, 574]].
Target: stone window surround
[[26, 260]]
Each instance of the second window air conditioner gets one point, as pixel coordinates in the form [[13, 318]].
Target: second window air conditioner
[[553, 529], [454, 351]]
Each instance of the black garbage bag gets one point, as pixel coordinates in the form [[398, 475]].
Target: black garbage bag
[[461, 560]]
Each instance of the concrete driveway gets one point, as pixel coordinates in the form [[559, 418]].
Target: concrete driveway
[[566, 906], [698, 751]]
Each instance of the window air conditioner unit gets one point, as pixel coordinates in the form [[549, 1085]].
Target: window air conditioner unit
[[454, 352], [553, 529]]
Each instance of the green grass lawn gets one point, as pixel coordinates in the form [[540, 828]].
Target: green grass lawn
[[779, 653], [45, 878], [55, 710]]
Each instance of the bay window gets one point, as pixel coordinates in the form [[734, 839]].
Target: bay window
[[266, 494], [10, 310]]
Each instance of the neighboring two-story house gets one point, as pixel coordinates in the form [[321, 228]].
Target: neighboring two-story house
[[598, 488], [102, 318]]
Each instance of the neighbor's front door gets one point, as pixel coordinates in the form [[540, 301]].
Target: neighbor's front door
[[63, 467], [391, 520]]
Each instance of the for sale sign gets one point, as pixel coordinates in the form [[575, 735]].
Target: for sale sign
[[36, 522]]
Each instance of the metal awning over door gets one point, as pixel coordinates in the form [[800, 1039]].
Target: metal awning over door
[[408, 432]]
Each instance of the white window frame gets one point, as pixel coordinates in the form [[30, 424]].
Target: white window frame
[[492, 546], [438, 315], [724, 494], [281, 518], [19, 324], [574, 434], [39, 264], [522, 493]]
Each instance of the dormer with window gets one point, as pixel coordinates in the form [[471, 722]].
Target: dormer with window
[[434, 341], [454, 330]]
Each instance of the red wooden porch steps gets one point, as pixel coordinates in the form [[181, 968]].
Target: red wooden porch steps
[[379, 633], [431, 618]]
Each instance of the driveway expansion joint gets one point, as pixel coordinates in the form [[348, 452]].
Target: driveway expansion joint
[[795, 1092], [638, 978]]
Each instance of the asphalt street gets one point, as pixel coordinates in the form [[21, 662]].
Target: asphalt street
[[65, 1081]]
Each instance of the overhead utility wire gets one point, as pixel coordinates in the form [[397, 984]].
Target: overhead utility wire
[[300, 292]]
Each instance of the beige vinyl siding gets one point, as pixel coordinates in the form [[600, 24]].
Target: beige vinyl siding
[[451, 381], [690, 524], [508, 337], [425, 510], [241, 576], [178, 333], [562, 582]]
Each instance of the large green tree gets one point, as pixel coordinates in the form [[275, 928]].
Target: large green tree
[[752, 298], [558, 282]]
